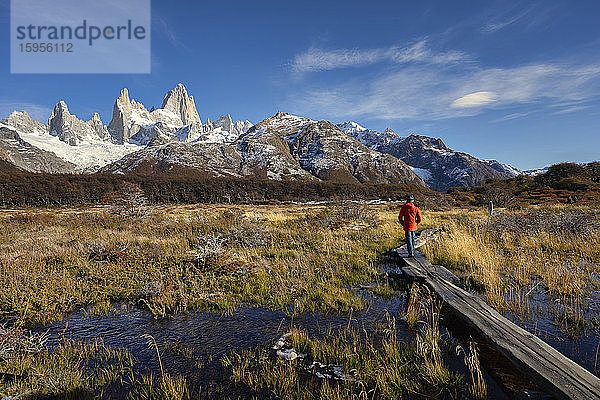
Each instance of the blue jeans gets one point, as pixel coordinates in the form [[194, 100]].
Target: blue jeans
[[410, 242]]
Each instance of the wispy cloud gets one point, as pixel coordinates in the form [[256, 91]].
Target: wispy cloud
[[571, 109], [315, 59], [530, 14], [431, 93], [162, 27], [510, 117]]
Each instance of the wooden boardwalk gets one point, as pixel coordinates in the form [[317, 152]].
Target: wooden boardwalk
[[558, 375]]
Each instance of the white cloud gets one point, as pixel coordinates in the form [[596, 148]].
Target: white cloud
[[476, 99], [512, 116], [532, 14], [315, 59], [428, 92], [321, 60], [571, 109]]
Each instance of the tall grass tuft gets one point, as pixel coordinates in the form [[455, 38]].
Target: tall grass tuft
[[478, 386]]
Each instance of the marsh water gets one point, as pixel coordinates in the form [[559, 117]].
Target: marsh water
[[211, 335], [550, 319]]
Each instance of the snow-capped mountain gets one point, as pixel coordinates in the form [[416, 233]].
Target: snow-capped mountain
[[534, 172], [501, 167], [87, 146], [326, 152], [74, 144], [283, 147], [177, 119], [27, 157], [440, 167], [378, 141], [71, 130]]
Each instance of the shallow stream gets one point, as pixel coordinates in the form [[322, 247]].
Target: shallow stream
[[212, 335]]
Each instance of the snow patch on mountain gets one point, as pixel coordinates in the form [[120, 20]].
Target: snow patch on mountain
[[27, 157], [425, 174], [83, 147], [88, 156], [511, 170], [535, 172], [373, 139]]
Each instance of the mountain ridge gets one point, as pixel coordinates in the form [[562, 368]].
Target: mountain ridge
[[440, 166], [281, 147]]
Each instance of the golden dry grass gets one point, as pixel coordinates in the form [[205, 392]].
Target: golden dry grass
[[292, 258], [176, 258], [553, 250]]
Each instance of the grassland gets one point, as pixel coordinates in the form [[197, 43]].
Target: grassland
[[294, 259], [550, 251], [188, 258], [176, 259]]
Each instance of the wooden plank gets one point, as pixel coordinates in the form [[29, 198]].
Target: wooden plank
[[557, 374]]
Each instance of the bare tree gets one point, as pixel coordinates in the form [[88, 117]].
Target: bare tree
[[128, 199]]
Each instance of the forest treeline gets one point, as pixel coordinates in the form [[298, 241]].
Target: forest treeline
[[28, 189], [561, 183]]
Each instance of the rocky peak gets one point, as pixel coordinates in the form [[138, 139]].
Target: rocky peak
[[179, 102], [391, 133], [18, 115], [98, 126], [70, 129], [282, 124], [124, 97], [242, 126], [224, 122], [415, 140], [22, 122], [63, 124], [121, 127], [119, 124], [375, 140], [351, 124], [60, 114], [95, 118]]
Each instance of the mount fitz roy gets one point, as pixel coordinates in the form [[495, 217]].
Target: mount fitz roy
[[283, 147]]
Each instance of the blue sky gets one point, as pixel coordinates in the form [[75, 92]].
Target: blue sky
[[510, 80]]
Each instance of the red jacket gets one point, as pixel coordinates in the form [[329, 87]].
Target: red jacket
[[409, 217]]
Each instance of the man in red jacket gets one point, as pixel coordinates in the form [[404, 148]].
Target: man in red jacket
[[410, 217]]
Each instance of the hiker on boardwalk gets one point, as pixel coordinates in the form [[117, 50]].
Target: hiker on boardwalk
[[410, 217]]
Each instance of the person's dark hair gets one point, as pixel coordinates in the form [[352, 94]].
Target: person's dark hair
[[410, 198]]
